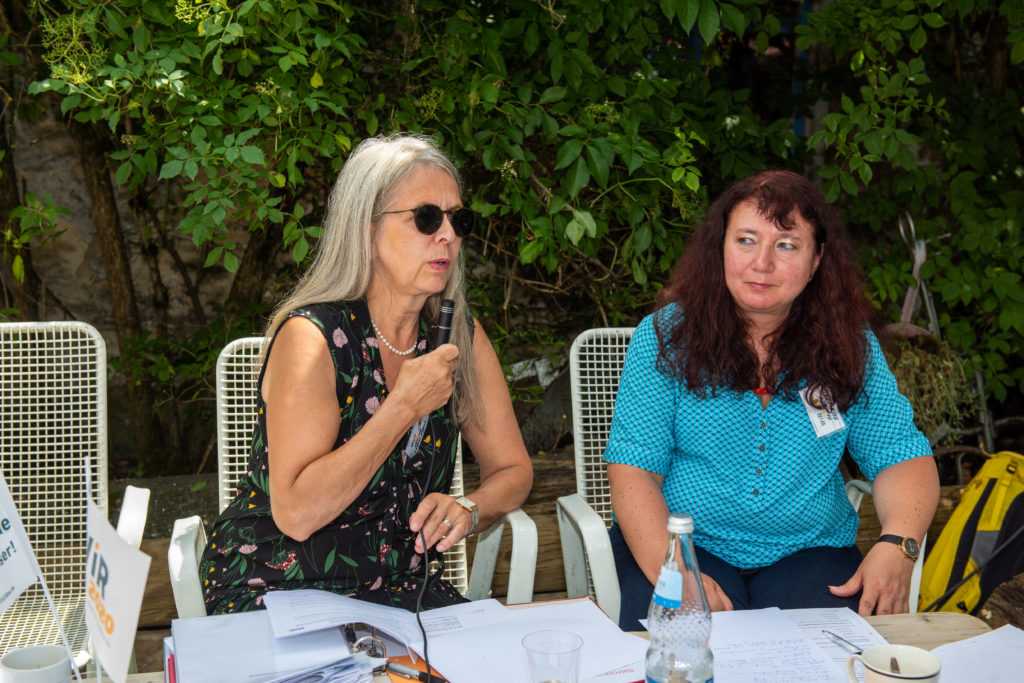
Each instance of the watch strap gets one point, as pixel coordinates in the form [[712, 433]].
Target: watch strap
[[903, 542], [474, 512]]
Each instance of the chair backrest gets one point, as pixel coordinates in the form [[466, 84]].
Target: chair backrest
[[53, 424], [237, 376], [595, 366]]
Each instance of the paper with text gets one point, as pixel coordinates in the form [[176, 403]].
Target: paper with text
[[766, 646], [494, 652], [630, 673], [842, 621], [303, 611]]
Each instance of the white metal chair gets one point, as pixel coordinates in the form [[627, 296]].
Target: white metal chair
[[53, 424], [237, 375], [595, 367]]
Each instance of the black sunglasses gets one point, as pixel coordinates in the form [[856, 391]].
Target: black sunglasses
[[429, 217]]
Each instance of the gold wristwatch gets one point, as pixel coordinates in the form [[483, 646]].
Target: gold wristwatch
[[473, 512], [908, 545]]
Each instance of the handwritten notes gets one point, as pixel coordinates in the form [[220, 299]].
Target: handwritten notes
[[766, 646]]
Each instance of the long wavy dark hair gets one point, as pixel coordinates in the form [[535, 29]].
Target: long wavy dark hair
[[822, 339]]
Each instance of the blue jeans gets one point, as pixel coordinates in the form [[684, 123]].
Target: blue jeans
[[795, 581]]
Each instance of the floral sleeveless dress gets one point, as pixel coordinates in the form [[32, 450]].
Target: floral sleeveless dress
[[367, 551]]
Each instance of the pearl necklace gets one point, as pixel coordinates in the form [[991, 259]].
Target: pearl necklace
[[388, 344]]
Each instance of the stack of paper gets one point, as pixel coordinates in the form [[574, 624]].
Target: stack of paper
[[471, 642], [242, 647], [297, 639]]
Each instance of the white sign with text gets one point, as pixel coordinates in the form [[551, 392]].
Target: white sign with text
[[115, 577], [18, 568]]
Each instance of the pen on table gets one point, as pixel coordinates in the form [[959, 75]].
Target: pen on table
[[843, 642], [414, 674]]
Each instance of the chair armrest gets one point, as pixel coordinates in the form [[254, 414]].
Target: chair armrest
[[131, 521], [522, 566], [188, 538], [915, 577], [855, 490], [587, 550]]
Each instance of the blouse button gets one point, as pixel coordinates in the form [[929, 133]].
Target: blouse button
[[756, 492], [763, 425], [757, 470], [761, 447]]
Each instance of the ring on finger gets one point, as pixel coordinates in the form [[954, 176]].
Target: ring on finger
[[446, 523]]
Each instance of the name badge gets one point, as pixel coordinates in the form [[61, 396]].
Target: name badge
[[824, 420]]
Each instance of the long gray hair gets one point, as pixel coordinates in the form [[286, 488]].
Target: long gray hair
[[343, 260]]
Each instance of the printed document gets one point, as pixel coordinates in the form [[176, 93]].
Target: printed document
[[309, 610]]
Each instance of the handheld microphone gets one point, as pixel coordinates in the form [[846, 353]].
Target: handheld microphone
[[444, 321], [444, 333]]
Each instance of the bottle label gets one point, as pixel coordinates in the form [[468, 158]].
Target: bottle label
[[669, 591], [671, 680]]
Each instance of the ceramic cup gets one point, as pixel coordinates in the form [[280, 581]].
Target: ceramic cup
[[914, 664], [36, 664], [553, 656]]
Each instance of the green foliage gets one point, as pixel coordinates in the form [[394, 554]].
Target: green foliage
[[590, 135], [226, 103], [35, 223], [587, 137], [909, 138], [586, 133]]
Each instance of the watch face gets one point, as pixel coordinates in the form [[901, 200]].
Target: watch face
[[910, 547]]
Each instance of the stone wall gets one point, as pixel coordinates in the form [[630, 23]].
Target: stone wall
[[70, 265], [71, 269]]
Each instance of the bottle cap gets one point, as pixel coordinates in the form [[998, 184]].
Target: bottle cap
[[680, 523]]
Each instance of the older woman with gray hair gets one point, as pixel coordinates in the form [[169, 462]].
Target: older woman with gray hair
[[359, 413]]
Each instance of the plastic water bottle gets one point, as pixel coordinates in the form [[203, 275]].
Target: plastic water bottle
[[679, 620]]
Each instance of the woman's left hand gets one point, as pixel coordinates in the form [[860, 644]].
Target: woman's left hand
[[884, 578], [505, 468], [444, 522], [906, 495]]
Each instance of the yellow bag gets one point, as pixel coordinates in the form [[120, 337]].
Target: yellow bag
[[981, 545]]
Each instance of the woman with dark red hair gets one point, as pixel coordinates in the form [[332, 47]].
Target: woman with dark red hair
[[738, 398]]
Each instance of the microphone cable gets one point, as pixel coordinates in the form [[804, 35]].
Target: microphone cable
[[444, 329]]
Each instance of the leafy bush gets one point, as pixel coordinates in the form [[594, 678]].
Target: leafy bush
[[591, 135], [929, 126]]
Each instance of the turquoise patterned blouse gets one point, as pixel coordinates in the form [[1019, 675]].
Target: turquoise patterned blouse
[[759, 482]]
